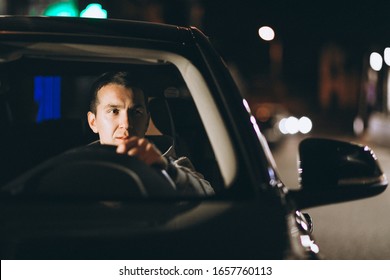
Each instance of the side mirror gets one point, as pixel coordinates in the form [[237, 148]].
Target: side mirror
[[335, 171]]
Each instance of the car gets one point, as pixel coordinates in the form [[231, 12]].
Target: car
[[61, 198], [269, 116], [275, 122]]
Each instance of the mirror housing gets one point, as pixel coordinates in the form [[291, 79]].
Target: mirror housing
[[334, 171]]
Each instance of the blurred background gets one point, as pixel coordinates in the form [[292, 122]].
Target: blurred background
[[307, 69], [325, 60]]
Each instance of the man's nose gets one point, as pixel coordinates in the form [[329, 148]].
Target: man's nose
[[126, 121]]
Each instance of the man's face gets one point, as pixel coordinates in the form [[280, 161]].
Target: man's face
[[120, 114]]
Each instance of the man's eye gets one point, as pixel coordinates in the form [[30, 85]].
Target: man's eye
[[113, 111]]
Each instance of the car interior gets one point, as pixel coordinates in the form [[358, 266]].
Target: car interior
[[44, 103]]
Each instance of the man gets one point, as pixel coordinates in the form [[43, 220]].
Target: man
[[119, 114]]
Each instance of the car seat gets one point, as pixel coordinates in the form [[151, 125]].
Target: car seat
[[162, 120]]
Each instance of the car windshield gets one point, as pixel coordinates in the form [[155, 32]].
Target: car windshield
[[44, 98]]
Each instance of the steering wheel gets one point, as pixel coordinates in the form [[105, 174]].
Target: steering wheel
[[93, 171]]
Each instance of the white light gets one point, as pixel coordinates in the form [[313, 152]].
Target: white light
[[306, 241], [358, 126], [315, 248], [388, 91], [282, 126], [387, 56], [266, 33], [94, 10], [292, 125], [305, 125], [255, 126], [376, 61], [246, 104]]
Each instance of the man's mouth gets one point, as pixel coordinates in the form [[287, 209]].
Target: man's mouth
[[122, 138]]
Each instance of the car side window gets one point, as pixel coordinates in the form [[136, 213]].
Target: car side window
[[46, 102]]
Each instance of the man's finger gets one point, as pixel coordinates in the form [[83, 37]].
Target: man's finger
[[126, 145], [121, 149], [133, 152], [142, 144]]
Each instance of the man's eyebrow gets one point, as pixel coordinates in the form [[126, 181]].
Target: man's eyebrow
[[112, 106], [135, 106]]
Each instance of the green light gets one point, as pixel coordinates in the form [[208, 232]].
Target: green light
[[62, 9], [94, 10]]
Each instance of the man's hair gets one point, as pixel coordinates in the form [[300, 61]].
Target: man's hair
[[119, 78]]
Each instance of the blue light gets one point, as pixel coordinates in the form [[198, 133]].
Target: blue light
[[47, 95], [62, 9]]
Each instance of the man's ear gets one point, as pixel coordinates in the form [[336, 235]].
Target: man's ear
[[92, 121]]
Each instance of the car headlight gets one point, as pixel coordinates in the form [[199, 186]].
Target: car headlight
[[293, 125]]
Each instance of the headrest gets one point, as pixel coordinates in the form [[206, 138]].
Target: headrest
[[162, 142], [161, 116], [184, 114]]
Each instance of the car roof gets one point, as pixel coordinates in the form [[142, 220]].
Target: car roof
[[91, 27]]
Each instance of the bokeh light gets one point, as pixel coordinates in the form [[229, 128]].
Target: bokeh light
[[266, 33], [376, 61]]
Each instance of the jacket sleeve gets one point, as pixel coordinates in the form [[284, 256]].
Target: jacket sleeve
[[187, 180]]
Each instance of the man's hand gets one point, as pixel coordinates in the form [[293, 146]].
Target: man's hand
[[143, 150]]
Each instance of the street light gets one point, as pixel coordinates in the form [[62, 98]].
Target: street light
[[266, 33], [376, 61], [386, 56]]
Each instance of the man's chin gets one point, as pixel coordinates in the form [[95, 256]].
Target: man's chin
[[112, 143], [119, 141]]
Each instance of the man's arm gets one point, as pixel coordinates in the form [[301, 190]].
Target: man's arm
[[187, 180], [182, 172]]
